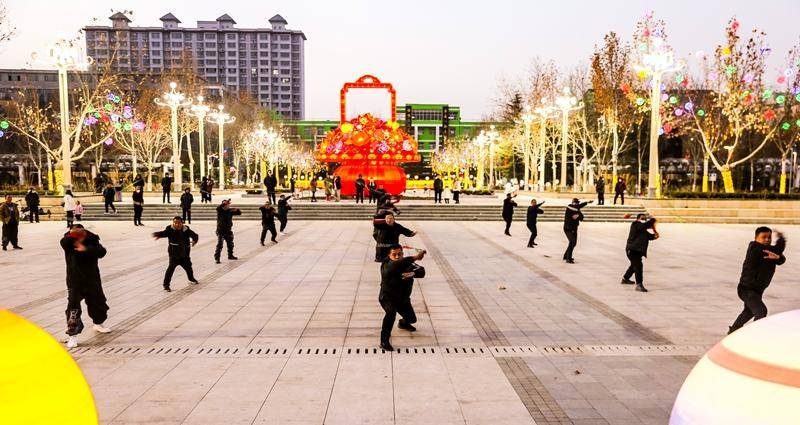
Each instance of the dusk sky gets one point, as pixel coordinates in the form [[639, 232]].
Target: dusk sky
[[450, 51]]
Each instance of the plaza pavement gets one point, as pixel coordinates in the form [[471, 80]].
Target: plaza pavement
[[287, 334]]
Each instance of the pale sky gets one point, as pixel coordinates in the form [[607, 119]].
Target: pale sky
[[451, 51]]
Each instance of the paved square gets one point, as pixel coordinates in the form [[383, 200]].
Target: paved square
[[287, 334]]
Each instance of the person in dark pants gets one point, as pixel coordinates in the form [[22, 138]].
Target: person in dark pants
[[204, 190], [438, 188], [600, 188], [9, 215], [268, 222], [313, 189], [642, 232], [138, 206], [187, 199], [757, 270], [166, 188], [292, 182], [360, 186], [32, 201], [371, 188], [386, 232], [337, 188], [82, 250], [508, 212], [271, 182], [283, 212], [397, 282], [457, 191], [619, 191], [533, 213], [181, 240], [572, 219], [225, 229], [109, 193]]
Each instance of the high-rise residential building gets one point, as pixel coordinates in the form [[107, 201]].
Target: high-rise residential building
[[265, 63]]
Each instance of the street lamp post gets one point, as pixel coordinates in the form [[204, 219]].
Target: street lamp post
[[527, 119], [491, 138], [567, 103], [174, 100], [220, 117], [658, 61], [543, 112], [65, 56], [480, 142], [199, 110]]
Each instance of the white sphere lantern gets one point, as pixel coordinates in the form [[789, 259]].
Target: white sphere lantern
[[750, 377]]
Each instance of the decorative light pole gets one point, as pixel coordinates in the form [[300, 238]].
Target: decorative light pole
[[65, 56], [199, 110], [544, 113], [567, 103], [480, 141], [656, 61], [527, 120], [174, 100], [491, 139], [220, 117]]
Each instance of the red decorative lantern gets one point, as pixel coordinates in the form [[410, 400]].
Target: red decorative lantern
[[368, 145]]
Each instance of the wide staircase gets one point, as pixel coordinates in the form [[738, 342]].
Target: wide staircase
[[350, 211]]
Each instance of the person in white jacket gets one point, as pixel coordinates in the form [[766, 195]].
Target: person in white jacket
[[69, 207]]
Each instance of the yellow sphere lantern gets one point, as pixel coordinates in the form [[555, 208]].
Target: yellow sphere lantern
[[40, 383]]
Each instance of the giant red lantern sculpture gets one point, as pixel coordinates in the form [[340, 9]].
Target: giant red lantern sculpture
[[368, 145]]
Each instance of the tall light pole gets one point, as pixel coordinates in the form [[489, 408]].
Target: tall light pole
[[220, 117], [527, 120], [656, 61], [65, 56], [491, 139], [544, 113], [480, 142], [175, 100], [567, 103], [199, 110]]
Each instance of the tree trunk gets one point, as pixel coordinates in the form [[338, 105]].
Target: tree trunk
[[783, 175], [149, 176], [705, 173]]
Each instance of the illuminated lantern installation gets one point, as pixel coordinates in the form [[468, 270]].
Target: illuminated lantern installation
[[368, 145]]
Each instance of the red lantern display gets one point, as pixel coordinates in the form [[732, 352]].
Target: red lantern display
[[368, 145]]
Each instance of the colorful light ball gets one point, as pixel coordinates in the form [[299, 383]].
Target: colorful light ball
[[678, 78], [688, 106], [108, 107], [679, 112], [767, 94], [640, 101], [109, 141], [701, 113], [780, 99], [111, 97], [664, 97], [781, 79], [730, 70], [127, 126], [786, 126], [2, 133], [797, 123], [673, 100], [4, 124], [788, 72], [797, 97], [347, 128]]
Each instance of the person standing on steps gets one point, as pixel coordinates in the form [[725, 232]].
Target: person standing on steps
[[268, 221], [337, 188], [82, 250], [166, 188], [457, 191], [641, 233], [203, 190], [109, 193], [572, 219], [371, 188], [187, 199], [138, 205], [533, 214], [69, 207], [360, 186], [181, 240], [600, 188], [386, 232], [225, 229], [397, 282], [619, 190], [292, 182], [9, 215], [32, 201], [313, 189], [757, 270], [78, 210], [283, 213], [438, 188], [508, 211], [271, 182], [138, 181]]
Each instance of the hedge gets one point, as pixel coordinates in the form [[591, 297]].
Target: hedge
[[737, 195]]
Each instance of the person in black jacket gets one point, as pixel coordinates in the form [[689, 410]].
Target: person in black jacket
[[757, 270], [641, 233], [225, 229], [533, 213], [187, 199], [337, 188], [82, 249], [438, 188], [572, 219], [32, 201], [600, 188], [397, 282], [292, 183], [508, 211], [138, 206], [271, 182], [283, 212], [109, 193], [204, 190], [360, 185], [9, 216], [166, 188], [386, 232], [619, 190], [138, 181], [181, 240], [371, 188], [268, 221]]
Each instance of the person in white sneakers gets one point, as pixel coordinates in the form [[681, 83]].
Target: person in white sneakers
[[82, 249]]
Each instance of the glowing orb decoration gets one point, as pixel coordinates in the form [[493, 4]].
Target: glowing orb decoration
[[786, 126], [750, 377], [4, 125], [368, 145], [40, 383], [2, 133], [640, 101], [701, 113]]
